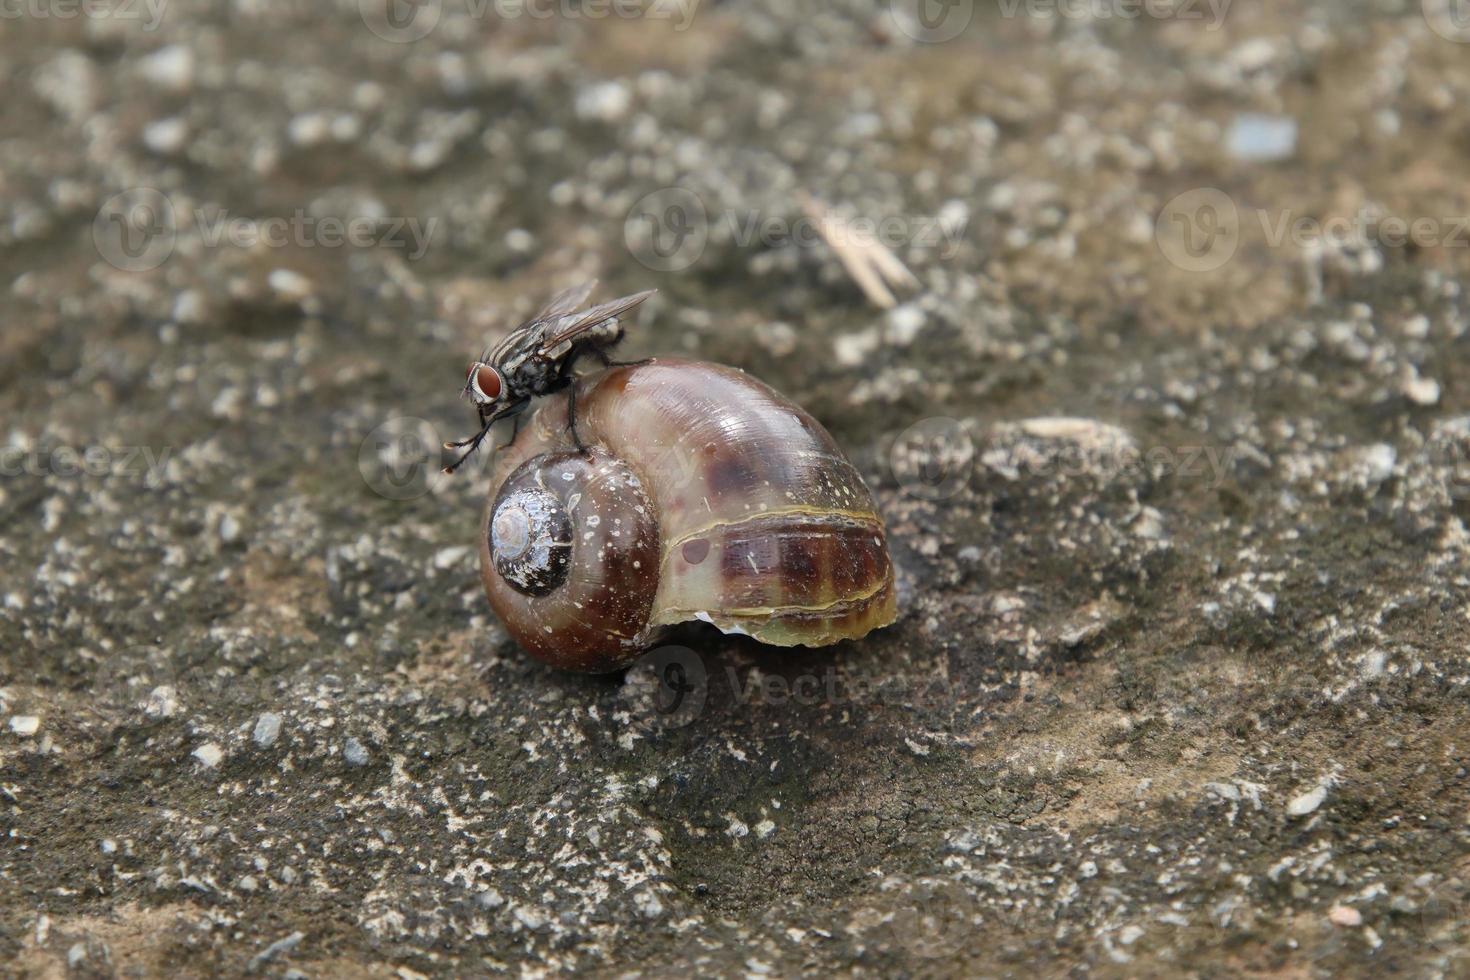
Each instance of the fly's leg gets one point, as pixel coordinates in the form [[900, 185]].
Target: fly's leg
[[515, 428], [606, 361], [473, 442], [572, 418], [473, 438], [489, 419]]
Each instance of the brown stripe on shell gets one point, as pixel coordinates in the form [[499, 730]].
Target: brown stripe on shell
[[800, 561]]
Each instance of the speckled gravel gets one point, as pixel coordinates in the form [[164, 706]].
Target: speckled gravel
[[1176, 489]]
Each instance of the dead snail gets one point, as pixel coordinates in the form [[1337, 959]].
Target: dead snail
[[702, 495]]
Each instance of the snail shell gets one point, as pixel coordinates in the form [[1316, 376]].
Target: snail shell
[[703, 494]]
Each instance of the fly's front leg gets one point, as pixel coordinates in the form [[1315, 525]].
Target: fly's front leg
[[515, 424], [465, 442], [474, 441]]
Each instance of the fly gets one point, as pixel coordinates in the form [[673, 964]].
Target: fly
[[537, 358]]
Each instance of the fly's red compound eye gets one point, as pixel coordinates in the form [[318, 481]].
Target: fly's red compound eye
[[489, 382]]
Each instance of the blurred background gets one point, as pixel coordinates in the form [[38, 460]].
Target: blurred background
[[1143, 319]]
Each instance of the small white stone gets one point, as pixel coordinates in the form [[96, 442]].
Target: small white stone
[[428, 154], [605, 102], [648, 904], [904, 324], [852, 349], [531, 918], [354, 753], [209, 755], [171, 67], [290, 285], [267, 729], [308, 129], [1255, 136], [227, 402], [166, 136], [229, 529], [163, 702], [1374, 464], [449, 557], [1307, 802], [1149, 525], [190, 307], [26, 725], [1345, 916], [765, 829], [1422, 391]]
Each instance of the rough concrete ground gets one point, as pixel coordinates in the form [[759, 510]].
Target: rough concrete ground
[[1181, 684]]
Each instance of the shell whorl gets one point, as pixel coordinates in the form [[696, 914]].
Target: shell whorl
[[763, 526], [568, 554]]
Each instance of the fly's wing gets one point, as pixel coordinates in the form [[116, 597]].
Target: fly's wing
[[567, 301], [567, 333], [525, 339]]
